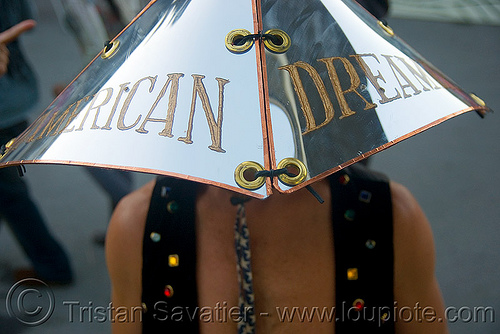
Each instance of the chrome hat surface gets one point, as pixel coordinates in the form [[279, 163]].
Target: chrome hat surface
[[168, 96]]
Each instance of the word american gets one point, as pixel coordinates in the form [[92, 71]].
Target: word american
[[411, 78]]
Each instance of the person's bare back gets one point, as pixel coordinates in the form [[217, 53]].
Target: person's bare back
[[292, 258]]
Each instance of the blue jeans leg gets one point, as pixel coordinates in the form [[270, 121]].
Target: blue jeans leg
[[47, 256]]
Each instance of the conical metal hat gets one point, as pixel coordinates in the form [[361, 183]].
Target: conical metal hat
[[215, 91]]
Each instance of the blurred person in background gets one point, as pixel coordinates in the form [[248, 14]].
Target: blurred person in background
[[18, 96]]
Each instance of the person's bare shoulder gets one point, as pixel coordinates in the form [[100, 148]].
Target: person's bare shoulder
[[415, 284], [129, 218], [413, 240], [124, 240]]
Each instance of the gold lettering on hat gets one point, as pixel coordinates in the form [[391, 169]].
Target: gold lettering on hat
[[172, 104], [121, 118], [339, 92], [123, 88], [214, 126], [374, 79], [302, 96], [109, 93], [398, 73]]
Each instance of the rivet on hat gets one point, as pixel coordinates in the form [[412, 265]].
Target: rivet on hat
[[352, 274], [173, 260], [155, 237], [172, 207]]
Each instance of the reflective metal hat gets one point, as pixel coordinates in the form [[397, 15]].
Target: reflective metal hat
[[248, 95]]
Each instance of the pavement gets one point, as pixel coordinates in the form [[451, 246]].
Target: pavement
[[471, 11], [452, 170]]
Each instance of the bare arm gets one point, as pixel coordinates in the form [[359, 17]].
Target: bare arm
[[124, 258], [420, 306]]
